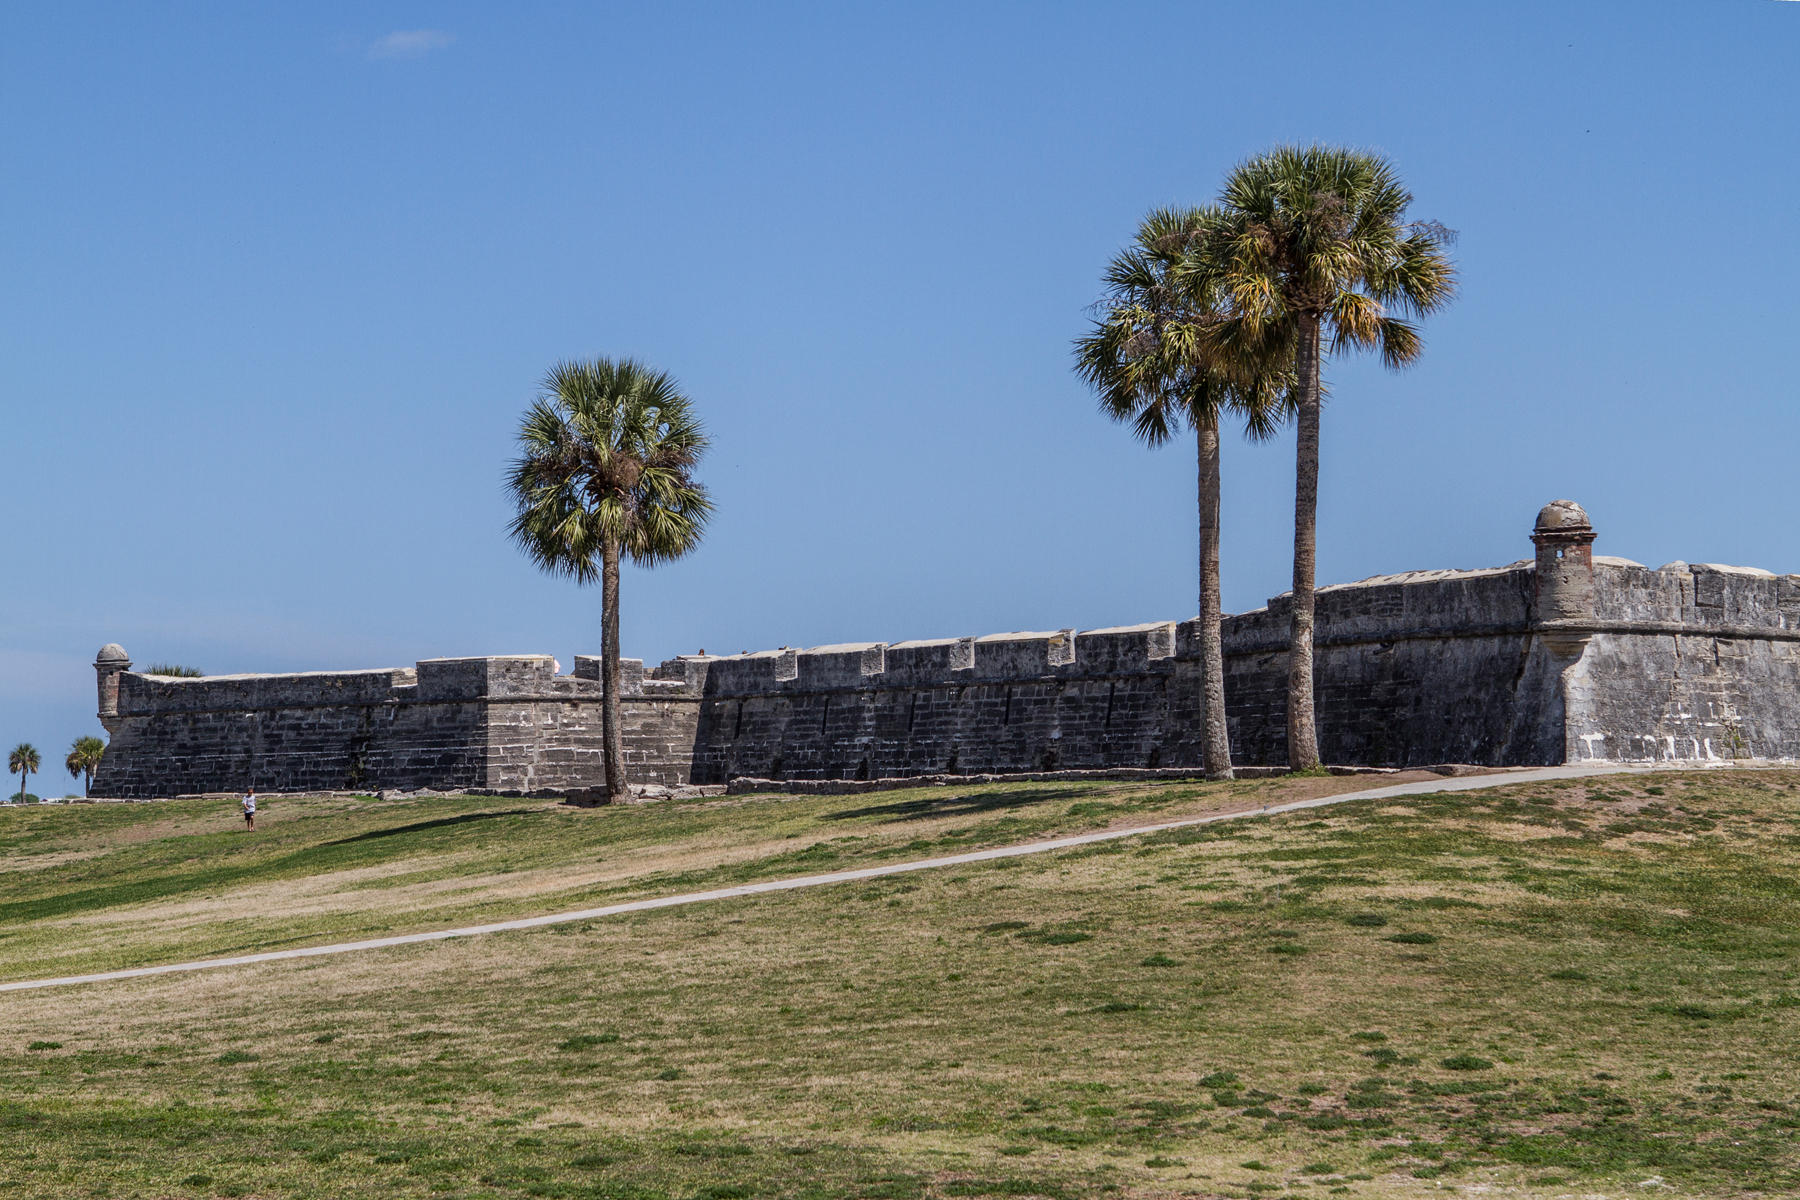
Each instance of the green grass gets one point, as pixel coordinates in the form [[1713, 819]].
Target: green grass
[[1612, 996]]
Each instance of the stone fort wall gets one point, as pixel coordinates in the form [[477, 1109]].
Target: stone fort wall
[[1562, 658]]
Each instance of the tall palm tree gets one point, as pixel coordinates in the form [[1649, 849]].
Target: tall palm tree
[[84, 759], [1152, 356], [1318, 245], [607, 453], [22, 762]]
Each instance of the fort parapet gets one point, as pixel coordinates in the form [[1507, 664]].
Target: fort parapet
[[1564, 657]]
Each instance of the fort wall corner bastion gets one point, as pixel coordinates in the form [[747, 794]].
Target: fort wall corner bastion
[[1564, 657]]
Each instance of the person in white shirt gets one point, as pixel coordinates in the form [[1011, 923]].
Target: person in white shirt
[[250, 809]]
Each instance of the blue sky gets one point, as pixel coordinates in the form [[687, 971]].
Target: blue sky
[[278, 282]]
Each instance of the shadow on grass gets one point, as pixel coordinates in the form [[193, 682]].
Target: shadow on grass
[[952, 806], [234, 863], [423, 826]]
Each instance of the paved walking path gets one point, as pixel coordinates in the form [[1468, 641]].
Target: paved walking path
[[1427, 787]]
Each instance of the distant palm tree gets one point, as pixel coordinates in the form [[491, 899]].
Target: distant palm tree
[[1318, 243], [22, 762], [1153, 357], [84, 759], [606, 470]]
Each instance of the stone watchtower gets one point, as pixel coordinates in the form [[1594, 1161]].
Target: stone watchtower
[[109, 664], [1565, 576]]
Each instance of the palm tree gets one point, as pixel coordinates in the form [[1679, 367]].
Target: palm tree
[[1317, 243], [84, 759], [1154, 360], [22, 762], [606, 470]]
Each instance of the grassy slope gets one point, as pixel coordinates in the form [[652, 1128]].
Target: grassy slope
[[95, 887], [1547, 990]]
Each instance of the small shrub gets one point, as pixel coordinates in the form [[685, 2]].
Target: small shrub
[[1326, 1122], [1261, 1112], [1160, 1161], [1312, 1089], [1119, 1006], [1017, 1151], [1465, 1062], [325, 1039], [237, 1056], [196, 1180], [667, 1074], [1219, 1079], [1371, 1093], [587, 1041], [173, 671], [1158, 959], [1370, 1035], [1383, 1056], [1413, 939], [45, 1046], [1368, 920], [1255, 1164], [1319, 1168]]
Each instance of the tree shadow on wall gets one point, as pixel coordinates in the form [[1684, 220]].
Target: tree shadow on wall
[[952, 806], [439, 823]]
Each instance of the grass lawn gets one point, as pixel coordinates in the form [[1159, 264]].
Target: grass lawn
[[1579, 989]]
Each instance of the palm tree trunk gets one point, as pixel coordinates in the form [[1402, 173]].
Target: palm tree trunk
[[1216, 752], [1302, 730], [611, 734]]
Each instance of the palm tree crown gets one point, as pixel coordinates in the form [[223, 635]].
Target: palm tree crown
[[1158, 356], [606, 457], [1319, 233]]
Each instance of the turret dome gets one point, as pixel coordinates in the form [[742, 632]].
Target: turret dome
[[1562, 514]]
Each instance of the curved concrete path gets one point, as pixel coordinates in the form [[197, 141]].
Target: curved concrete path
[[1464, 783]]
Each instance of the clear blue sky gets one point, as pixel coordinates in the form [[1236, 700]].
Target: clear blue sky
[[276, 283]]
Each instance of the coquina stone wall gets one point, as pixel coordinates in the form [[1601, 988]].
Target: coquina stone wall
[[1564, 657]]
